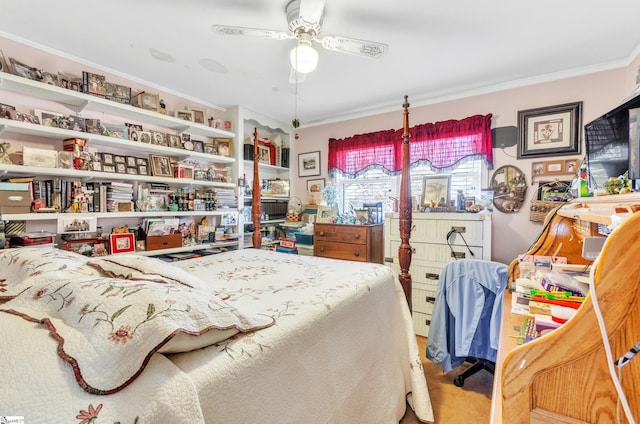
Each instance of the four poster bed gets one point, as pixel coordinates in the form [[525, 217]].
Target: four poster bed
[[247, 336]]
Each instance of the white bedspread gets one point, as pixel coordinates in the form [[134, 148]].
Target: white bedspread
[[343, 348]]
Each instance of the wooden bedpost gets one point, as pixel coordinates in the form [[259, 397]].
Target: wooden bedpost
[[256, 216], [404, 250]]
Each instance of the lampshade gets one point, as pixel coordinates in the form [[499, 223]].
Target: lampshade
[[304, 58]]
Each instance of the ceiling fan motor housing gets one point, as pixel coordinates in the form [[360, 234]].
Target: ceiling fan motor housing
[[297, 23]]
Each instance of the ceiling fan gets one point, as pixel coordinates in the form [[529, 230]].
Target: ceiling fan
[[305, 23]]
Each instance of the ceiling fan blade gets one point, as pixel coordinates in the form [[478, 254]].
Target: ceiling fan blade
[[354, 46], [296, 77], [312, 10], [251, 32]]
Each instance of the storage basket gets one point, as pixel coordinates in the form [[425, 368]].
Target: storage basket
[[541, 208]]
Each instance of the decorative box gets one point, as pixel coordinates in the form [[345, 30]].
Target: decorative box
[[164, 242], [288, 243]]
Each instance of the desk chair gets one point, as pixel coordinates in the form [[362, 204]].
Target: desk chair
[[465, 322]]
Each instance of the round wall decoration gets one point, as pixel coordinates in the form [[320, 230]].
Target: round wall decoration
[[509, 189]]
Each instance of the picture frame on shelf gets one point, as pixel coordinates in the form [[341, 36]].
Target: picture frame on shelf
[[264, 155], [186, 115], [161, 166], [132, 170], [199, 115], [198, 146], [116, 130], [326, 214], [174, 141], [571, 166], [131, 161], [158, 138], [554, 167], [107, 158], [435, 191], [121, 168], [65, 160], [87, 246], [309, 164], [223, 146], [4, 66], [550, 131], [147, 101], [96, 164], [122, 243], [109, 168], [279, 187], [48, 119], [144, 137], [143, 170], [316, 184], [94, 84], [76, 224], [23, 70]]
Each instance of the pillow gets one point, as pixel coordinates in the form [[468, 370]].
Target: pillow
[[108, 328], [18, 264], [137, 267]]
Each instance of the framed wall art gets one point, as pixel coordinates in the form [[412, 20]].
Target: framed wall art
[[187, 115], [435, 191], [316, 184], [264, 155], [147, 101], [199, 115], [309, 164], [550, 131]]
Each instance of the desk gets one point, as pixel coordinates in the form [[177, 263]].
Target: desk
[[563, 377]]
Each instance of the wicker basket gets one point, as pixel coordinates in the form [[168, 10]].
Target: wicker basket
[[541, 208]]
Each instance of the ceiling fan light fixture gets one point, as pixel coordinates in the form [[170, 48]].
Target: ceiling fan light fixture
[[304, 58]]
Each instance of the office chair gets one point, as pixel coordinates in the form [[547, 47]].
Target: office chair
[[465, 322]]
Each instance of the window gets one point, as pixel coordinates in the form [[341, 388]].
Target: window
[[376, 186]]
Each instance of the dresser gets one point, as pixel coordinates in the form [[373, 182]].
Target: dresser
[[431, 252], [362, 243]]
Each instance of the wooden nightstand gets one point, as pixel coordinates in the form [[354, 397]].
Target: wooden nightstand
[[362, 243]]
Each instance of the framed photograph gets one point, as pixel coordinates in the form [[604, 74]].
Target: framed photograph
[[435, 191], [121, 168], [107, 158], [119, 159], [115, 130], [309, 164], [65, 160], [94, 83], [161, 166], [92, 126], [264, 155], [122, 243], [223, 146], [158, 138], [537, 168], [187, 115], [142, 162], [144, 136], [316, 184], [326, 214], [22, 70], [469, 202], [5, 110], [131, 161], [174, 140], [279, 187], [109, 168], [198, 146], [96, 164], [199, 115], [550, 131], [132, 170], [49, 119], [147, 101], [143, 170], [4, 67]]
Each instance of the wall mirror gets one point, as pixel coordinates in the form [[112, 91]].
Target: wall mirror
[[509, 189]]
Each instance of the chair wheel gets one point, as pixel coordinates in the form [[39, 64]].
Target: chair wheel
[[458, 381]]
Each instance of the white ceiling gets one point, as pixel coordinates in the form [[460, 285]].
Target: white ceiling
[[437, 49]]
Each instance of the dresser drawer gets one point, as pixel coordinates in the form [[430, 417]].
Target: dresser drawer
[[337, 250], [438, 255], [421, 323], [355, 234]]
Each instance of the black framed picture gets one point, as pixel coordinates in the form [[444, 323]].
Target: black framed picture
[[550, 131]]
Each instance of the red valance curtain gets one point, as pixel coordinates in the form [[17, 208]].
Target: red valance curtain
[[442, 145]]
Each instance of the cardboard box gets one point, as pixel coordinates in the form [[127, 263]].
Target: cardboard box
[[15, 198], [163, 242]]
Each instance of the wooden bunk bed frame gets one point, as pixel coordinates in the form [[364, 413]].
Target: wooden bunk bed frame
[[405, 205]]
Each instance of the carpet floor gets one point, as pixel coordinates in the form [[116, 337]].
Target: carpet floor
[[470, 403]]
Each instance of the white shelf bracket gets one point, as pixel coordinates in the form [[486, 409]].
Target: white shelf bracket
[[82, 106]]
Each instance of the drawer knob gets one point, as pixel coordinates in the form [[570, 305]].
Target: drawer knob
[[321, 233], [357, 254], [427, 321], [431, 276], [356, 236], [430, 299], [322, 248]]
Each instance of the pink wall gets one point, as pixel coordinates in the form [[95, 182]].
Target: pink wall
[[512, 233]]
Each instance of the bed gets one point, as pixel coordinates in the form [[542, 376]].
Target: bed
[[246, 336]]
